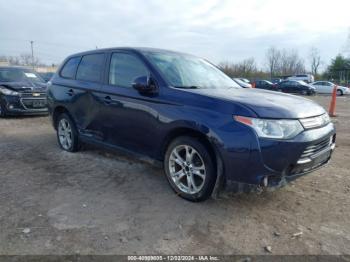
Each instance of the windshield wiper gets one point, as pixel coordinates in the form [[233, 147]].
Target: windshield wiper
[[187, 87]]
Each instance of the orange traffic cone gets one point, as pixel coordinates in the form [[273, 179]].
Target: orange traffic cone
[[253, 85], [333, 102]]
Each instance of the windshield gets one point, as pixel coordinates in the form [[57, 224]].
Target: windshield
[[302, 82], [269, 82], [19, 75], [185, 71]]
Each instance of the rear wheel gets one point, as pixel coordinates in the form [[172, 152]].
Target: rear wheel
[[190, 169], [67, 134]]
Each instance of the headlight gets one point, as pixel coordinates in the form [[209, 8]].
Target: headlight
[[270, 128], [9, 92]]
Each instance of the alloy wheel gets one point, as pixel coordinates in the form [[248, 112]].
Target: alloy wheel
[[187, 169], [65, 134]]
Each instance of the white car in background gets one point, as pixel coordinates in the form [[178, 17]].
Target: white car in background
[[325, 87], [308, 78]]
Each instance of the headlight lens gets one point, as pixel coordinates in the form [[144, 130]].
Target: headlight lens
[[271, 128], [9, 92]]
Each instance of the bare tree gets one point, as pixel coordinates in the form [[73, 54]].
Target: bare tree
[[273, 56], [315, 60], [290, 63], [245, 68], [26, 59]]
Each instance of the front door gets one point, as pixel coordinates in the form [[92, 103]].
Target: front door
[[129, 118]]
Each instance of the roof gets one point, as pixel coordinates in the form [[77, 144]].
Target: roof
[[134, 49]]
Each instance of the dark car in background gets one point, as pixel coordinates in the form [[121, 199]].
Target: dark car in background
[[22, 92], [242, 83], [264, 84], [276, 80], [296, 87], [185, 114], [46, 76]]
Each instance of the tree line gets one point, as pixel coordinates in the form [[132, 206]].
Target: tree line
[[284, 62], [24, 59]]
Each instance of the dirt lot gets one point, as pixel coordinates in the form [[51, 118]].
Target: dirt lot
[[93, 202]]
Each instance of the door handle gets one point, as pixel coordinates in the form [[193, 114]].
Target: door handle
[[107, 100], [70, 92]]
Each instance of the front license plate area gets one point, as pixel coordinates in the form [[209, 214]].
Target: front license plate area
[[38, 104], [321, 158]]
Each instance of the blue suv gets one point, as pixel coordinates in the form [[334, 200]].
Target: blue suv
[[181, 111]]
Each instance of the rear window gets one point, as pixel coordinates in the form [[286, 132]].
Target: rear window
[[90, 68], [69, 69]]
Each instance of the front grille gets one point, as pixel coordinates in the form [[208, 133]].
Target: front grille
[[314, 149], [33, 95], [34, 103]]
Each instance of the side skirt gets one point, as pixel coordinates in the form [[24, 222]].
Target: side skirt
[[121, 150]]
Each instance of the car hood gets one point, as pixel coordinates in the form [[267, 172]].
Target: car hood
[[267, 104], [25, 86]]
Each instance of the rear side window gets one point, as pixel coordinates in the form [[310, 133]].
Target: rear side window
[[90, 68], [125, 68], [69, 69]]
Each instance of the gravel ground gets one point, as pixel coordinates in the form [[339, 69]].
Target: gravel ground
[[94, 202]]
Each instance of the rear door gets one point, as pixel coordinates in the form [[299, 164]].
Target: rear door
[[129, 119], [88, 85], [77, 87], [287, 87], [318, 86]]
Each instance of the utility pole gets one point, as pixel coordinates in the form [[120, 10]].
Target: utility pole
[[31, 45]]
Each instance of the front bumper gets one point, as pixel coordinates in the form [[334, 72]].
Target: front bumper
[[25, 104], [273, 163]]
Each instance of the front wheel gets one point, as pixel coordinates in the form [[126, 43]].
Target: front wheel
[[190, 169], [339, 92], [67, 135]]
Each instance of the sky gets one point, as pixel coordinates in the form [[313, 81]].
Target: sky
[[218, 30]]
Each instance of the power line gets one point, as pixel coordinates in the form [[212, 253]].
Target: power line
[[31, 45], [43, 42]]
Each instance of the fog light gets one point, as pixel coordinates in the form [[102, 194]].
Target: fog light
[[11, 107], [265, 181]]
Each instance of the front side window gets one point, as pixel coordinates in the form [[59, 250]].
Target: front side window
[[124, 68], [90, 68], [185, 71], [69, 69]]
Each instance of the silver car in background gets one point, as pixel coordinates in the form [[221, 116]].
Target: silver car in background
[[325, 87]]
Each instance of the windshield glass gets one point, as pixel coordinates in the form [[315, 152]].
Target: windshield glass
[[185, 71], [19, 75], [302, 82]]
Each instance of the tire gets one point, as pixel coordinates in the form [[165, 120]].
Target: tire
[[2, 110], [198, 173], [67, 135], [339, 92]]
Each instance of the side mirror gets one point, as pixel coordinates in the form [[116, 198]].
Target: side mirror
[[144, 85]]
